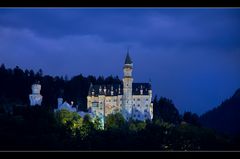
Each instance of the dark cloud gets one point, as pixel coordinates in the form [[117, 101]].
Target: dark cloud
[[191, 55]]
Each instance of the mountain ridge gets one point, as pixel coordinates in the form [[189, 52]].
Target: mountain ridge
[[224, 118]]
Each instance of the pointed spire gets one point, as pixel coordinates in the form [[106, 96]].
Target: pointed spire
[[150, 83], [128, 59], [119, 89], [90, 88], [93, 91], [141, 90], [112, 90], [105, 89]]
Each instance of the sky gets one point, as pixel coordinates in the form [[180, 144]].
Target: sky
[[191, 55]]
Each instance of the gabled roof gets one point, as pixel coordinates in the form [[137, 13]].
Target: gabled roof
[[136, 87], [67, 106], [99, 89]]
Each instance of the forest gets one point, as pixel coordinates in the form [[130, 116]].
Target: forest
[[40, 128]]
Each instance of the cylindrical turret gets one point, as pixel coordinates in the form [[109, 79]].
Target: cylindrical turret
[[36, 88], [35, 98], [127, 87]]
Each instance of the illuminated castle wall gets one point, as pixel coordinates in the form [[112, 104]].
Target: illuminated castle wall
[[133, 100]]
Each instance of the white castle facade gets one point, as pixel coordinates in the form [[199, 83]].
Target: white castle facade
[[133, 100], [35, 98]]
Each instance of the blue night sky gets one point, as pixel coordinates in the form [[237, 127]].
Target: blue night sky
[[191, 55]]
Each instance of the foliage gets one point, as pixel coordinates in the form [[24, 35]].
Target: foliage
[[191, 118], [114, 121], [165, 110], [98, 124], [135, 126], [40, 128], [70, 120]]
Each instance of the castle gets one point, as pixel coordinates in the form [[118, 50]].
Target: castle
[[133, 100]]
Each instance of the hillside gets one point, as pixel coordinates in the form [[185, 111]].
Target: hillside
[[226, 117], [15, 87]]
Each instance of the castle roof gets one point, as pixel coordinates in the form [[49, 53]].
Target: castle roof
[[118, 89], [99, 89], [128, 59], [136, 87]]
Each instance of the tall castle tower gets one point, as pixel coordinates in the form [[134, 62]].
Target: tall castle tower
[[133, 100], [127, 88]]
